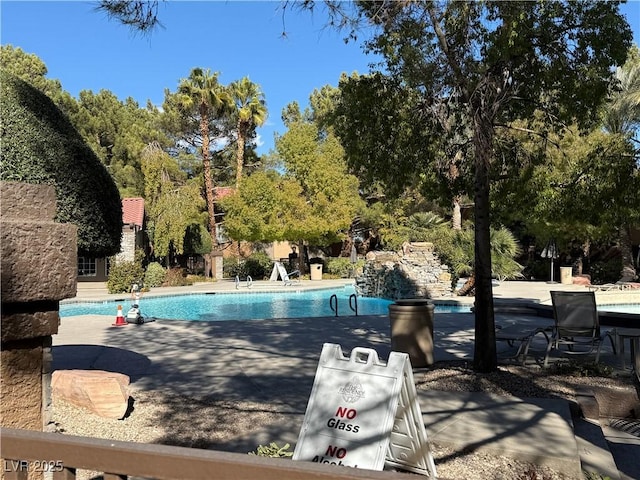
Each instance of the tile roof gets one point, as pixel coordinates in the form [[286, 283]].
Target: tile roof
[[133, 211], [221, 192]]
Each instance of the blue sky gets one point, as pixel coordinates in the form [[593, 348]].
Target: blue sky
[[86, 51]]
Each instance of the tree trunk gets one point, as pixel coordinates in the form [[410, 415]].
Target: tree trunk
[[468, 287], [239, 154], [208, 181], [454, 173], [456, 219], [302, 261], [628, 273], [584, 255], [485, 357], [208, 265]]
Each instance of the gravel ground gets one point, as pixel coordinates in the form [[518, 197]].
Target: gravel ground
[[156, 418]]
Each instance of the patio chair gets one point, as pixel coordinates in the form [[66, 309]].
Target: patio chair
[[576, 324], [523, 336], [280, 271]]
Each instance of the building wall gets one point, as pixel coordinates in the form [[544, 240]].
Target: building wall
[[130, 241]]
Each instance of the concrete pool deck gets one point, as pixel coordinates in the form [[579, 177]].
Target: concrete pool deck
[[274, 362]]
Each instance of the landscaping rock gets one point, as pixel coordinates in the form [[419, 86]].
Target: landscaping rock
[[416, 272], [582, 280], [616, 401], [103, 393]]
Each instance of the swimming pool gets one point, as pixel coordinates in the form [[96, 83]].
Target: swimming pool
[[620, 308], [244, 306]]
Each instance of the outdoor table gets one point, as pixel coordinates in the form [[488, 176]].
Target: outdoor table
[[633, 335]]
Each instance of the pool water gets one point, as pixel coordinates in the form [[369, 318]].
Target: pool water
[[244, 306], [621, 308]]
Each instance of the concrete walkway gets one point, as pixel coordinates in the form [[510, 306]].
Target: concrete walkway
[[274, 361]]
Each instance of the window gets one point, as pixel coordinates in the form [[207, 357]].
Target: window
[[86, 267]]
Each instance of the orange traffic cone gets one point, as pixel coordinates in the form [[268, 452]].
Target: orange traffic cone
[[120, 321]]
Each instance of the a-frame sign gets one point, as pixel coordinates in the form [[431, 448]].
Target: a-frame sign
[[364, 413]]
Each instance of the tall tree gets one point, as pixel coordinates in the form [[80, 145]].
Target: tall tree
[[251, 112], [495, 62], [30, 68], [118, 131], [560, 178], [316, 160], [201, 94], [173, 202], [622, 116], [315, 200], [268, 207], [622, 112], [385, 126], [140, 15]]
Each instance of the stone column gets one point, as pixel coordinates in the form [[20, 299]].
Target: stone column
[[38, 260]]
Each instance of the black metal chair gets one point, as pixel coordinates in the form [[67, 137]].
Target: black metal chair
[[577, 325]]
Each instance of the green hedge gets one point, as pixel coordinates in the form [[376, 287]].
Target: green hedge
[[40, 145]]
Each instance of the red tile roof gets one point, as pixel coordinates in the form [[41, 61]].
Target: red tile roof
[[133, 211], [221, 192]]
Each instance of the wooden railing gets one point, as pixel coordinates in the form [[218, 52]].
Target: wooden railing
[[62, 455]]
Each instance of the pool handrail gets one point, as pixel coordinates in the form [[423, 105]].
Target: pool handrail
[[331, 303], [354, 306]]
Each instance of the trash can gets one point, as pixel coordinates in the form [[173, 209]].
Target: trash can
[[412, 330], [316, 271], [566, 277]]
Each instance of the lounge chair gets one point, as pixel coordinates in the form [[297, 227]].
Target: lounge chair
[[523, 336], [280, 271], [576, 324], [611, 286]]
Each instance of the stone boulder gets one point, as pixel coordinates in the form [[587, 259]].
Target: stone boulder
[[103, 393], [582, 280]]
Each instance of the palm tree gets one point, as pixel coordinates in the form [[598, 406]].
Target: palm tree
[[622, 116], [504, 249], [622, 113], [251, 112], [202, 92]]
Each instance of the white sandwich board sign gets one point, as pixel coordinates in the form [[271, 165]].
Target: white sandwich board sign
[[364, 413]]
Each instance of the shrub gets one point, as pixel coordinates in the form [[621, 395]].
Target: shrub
[[154, 276], [340, 267], [273, 451], [231, 267], [581, 369], [537, 269], [175, 277], [198, 279], [606, 271], [122, 275], [258, 266]]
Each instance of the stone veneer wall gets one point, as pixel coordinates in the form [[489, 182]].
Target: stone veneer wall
[[128, 245], [415, 273], [38, 260]]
